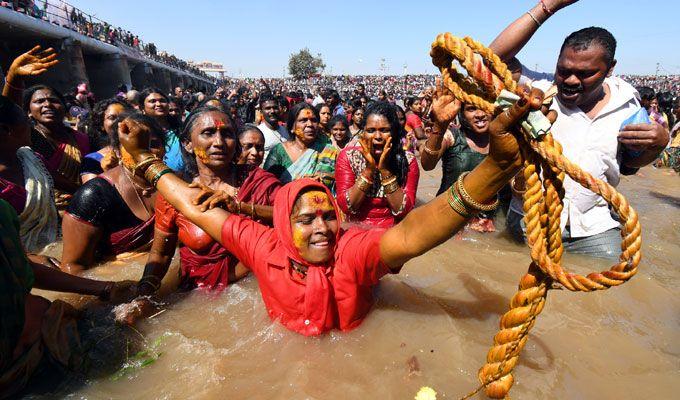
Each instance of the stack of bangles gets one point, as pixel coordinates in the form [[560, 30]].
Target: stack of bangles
[[151, 280], [462, 203], [153, 168], [364, 183], [389, 184]]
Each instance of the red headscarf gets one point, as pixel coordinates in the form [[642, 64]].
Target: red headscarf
[[318, 290]]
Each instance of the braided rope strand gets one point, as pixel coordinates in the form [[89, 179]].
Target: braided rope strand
[[545, 169]]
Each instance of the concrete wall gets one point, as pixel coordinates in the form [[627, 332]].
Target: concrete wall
[[82, 59]]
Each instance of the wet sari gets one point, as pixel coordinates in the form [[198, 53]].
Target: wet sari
[[58, 343], [204, 263]]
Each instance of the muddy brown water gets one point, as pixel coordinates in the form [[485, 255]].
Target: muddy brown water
[[431, 326]]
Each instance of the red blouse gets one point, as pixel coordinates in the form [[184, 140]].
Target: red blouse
[[356, 270], [204, 263], [375, 210]]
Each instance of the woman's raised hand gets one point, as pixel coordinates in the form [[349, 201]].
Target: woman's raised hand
[[33, 62], [503, 145], [382, 164], [444, 106], [134, 137], [367, 151]]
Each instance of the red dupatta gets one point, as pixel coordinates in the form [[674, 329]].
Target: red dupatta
[[133, 238]]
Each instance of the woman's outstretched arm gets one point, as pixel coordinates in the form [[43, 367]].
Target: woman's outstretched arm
[[135, 139], [430, 225]]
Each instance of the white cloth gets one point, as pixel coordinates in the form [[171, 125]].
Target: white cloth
[[39, 222], [593, 145], [272, 137], [317, 100]]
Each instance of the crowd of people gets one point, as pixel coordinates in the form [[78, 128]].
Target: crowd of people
[[311, 187], [63, 14]]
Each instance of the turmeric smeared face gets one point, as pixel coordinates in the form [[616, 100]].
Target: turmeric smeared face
[[314, 225], [306, 126], [213, 140]]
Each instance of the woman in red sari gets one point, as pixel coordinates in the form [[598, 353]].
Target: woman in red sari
[[112, 213], [211, 151], [376, 180], [313, 275]]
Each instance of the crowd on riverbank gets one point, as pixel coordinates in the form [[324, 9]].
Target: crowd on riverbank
[[59, 12], [309, 186]]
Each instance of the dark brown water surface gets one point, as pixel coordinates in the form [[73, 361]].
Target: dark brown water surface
[[432, 326]]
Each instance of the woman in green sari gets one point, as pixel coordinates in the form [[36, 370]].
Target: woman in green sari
[[35, 333], [308, 155]]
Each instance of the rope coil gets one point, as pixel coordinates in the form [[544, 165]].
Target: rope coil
[[544, 170]]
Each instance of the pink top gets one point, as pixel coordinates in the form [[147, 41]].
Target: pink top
[[413, 121]]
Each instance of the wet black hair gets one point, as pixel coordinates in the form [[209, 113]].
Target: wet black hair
[[338, 118], [583, 38], [265, 97], [646, 93], [293, 113], [190, 166], [249, 128], [137, 116], [95, 123], [319, 106], [408, 102], [149, 91], [28, 94], [397, 161], [222, 107]]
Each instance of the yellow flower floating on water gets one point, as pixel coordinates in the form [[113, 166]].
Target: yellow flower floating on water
[[426, 393]]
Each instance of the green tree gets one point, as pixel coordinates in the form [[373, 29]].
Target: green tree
[[303, 64]]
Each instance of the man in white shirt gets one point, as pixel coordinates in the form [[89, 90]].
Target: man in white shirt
[[272, 131], [591, 106]]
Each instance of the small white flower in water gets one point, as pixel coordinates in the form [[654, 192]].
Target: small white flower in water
[[426, 393]]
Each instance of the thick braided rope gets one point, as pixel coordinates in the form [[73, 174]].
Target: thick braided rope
[[542, 207]]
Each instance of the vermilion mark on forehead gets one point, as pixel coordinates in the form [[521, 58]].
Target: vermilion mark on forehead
[[218, 123], [318, 199], [306, 113]]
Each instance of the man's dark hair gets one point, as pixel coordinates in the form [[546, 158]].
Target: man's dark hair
[[582, 39], [265, 97], [646, 93]]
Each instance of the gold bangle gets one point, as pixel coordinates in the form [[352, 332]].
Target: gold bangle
[[154, 169], [457, 204], [252, 210], [391, 187], [144, 164], [470, 202], [388, 181], [364, 184], [158, 176]]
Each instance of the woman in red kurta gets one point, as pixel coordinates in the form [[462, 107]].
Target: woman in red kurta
[[315, 276], [211, 151], [376, 180]]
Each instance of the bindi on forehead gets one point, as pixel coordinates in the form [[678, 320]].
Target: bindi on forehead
[[306, 113], [218, 123]]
